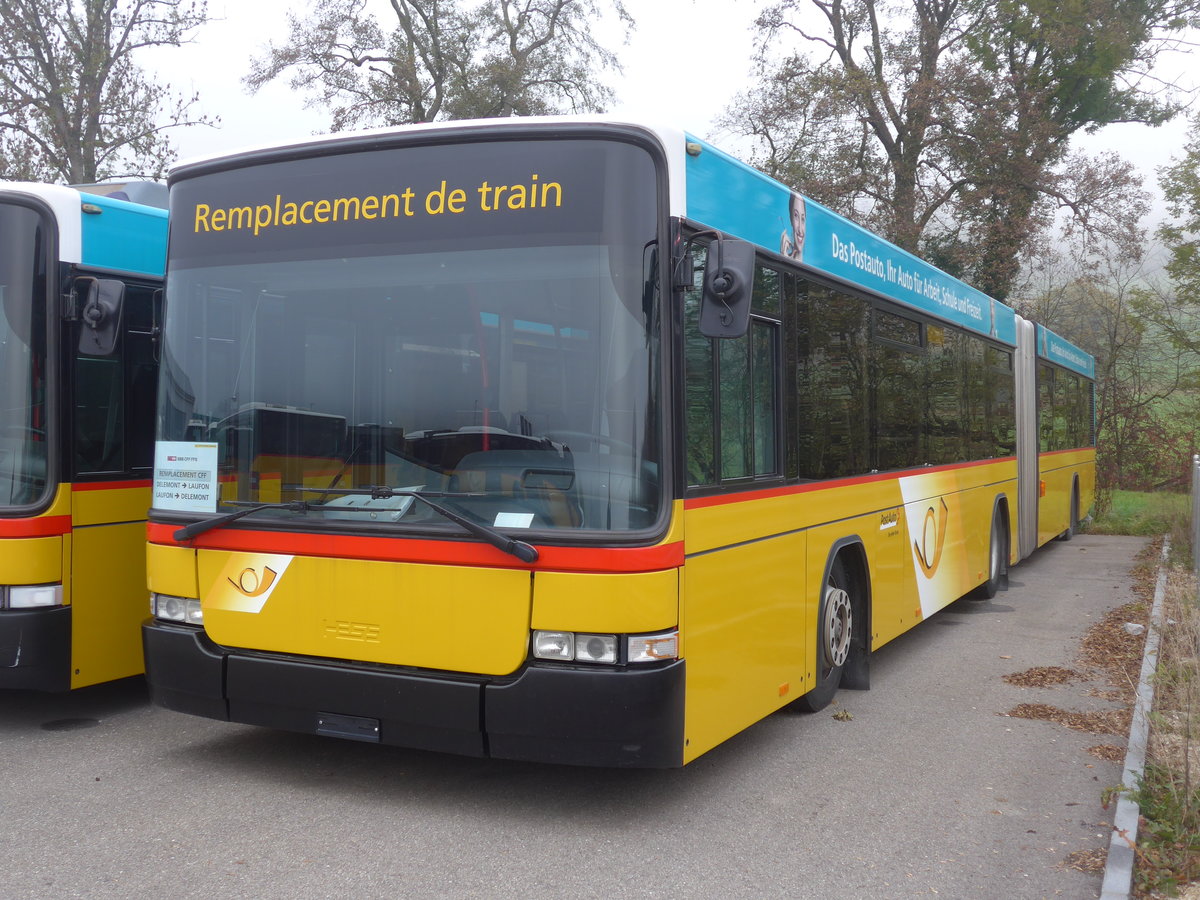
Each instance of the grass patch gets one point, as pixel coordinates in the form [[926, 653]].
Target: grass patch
[[1168, 853], [1168, 794], [1139, 513]]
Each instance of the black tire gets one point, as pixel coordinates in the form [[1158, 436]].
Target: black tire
[[835, 629], [1072, 515], [997, 560]]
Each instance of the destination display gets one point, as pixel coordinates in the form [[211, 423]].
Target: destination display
[[185, 476], [410, 196]]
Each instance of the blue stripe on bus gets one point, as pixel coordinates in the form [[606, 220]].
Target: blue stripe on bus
[[1059, 350], [123, 236], [726, 194]]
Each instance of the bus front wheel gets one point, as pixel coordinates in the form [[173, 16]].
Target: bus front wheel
[[835, 626]]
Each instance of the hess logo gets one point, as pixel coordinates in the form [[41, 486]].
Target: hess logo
[[250, 583], [933, 538]]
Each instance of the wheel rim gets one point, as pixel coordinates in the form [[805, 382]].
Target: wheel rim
[[836, 626], [997, 554]]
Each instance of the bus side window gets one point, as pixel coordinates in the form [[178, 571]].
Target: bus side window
[[699, 376], [100, 413], [831, 385], [114, 396], [141, 378], [1045, 390], [762, 350], [1073, 412], [731, 388], [898, 390], [1000, 394], [948, 415]]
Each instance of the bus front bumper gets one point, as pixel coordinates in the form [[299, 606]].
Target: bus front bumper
[[573, 716], [35, 649]]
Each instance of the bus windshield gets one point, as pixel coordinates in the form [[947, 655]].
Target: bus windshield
[[23, 444], [499, 358]]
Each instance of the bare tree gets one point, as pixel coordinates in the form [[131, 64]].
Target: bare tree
[[1181, 187], [1147, 368], [74, 105], [444, 59], [946, 124]]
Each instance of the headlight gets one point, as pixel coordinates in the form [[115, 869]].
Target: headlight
[[34, 596], [605, 649], [176, 609], [554, 645], [596, 648]]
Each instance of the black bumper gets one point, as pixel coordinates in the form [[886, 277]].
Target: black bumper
[[35, 649], [574, 716]]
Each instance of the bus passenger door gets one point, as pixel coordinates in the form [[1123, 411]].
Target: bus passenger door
[[111, 422]]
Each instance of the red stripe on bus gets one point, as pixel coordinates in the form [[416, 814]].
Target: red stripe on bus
[[42, 526], [810, 486], [1046, 453], [109, 485], [392, 549]]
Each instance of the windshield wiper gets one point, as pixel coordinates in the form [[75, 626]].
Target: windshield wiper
[[521, 550], [190, 531]]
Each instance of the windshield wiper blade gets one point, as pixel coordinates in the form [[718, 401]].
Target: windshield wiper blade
[[521, 550], [190, 531]]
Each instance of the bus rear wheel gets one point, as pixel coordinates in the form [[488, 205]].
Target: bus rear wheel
[[835, 627], [997, 558], [1072, 515]]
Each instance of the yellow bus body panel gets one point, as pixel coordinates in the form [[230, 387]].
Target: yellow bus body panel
[[606, 603], [101, 507], [743, 614], [62, 502], [107, 562], [32, 560], [755, 572], [1058, 472], [948, 521], [109, 602], [455, 618], [101, 563], [172, 570], [39, 560]]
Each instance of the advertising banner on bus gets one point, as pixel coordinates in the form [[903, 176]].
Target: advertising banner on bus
[[726, 194]]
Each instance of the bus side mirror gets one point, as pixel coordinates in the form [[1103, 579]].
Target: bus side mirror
[[728, 283], [101, 315]]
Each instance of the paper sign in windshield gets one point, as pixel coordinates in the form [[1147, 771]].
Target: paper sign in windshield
[[185, 476]]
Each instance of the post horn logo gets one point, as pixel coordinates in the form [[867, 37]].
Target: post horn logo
[[933, 533], [250, 584]]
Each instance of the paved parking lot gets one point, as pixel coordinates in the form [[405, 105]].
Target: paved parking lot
[[927, 789]]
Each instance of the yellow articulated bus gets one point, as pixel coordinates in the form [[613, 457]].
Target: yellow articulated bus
[[570, 440], [80, 271]]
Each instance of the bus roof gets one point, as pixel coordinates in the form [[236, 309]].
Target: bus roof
[[102, 231]]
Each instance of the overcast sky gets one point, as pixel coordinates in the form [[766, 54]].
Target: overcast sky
[[684, 64]]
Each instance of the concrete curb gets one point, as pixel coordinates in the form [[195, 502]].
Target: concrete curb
[[1118, 870]]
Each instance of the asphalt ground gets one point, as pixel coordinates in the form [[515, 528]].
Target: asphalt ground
[[926, 788]]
